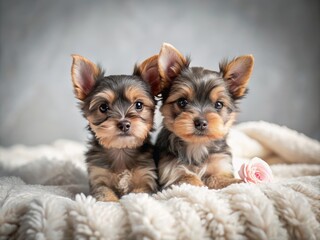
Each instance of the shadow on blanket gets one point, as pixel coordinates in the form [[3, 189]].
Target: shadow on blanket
[[43, 194]]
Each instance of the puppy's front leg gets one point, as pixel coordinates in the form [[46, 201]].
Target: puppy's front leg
[[191, 179], [171, 171], [218, 182], [104, 194], [101, 180], [144, 180], [219, 173]]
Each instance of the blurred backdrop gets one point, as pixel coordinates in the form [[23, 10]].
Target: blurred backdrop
[[37, 38]]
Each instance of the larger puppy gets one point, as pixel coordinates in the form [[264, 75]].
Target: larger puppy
[[199, 107]]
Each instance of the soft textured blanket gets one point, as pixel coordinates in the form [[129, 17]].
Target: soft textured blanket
[[44, 195]]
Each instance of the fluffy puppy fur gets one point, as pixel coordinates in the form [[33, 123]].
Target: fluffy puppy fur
[[119, 110], [199, 106]]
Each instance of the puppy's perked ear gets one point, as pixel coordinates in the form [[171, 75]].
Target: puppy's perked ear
[[148, 70], [171, 62], [237, 74], [84, 75]]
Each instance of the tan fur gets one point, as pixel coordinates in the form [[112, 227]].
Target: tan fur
[[183, 91], [191, 179], [218, 182], [217, 93], [183, 125], [107, 95], [104, 194], [217, 128], [141, 129], [135, 94]]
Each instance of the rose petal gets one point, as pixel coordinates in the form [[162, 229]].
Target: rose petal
[[255, 171], [241, 172]]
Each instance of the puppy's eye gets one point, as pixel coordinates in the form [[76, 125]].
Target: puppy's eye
[[218, 105], [182, 102], [139, 105], [103, 108]]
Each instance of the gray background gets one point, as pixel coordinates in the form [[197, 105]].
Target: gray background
[[37, 38]]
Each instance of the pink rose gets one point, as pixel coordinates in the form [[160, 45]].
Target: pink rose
[[255, 171]]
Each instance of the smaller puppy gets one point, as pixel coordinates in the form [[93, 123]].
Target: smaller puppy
[[120, 112], [199, 106]]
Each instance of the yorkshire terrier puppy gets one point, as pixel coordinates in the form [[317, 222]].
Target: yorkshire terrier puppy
[[119, 110], [199, 106]]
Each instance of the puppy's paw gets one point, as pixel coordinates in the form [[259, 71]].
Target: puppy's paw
[[192, 180], [105, 194], [221, 182], [142, 190], [107, 199]]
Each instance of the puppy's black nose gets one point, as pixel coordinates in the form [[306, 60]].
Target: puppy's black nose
[[200, 124], [124, 125]]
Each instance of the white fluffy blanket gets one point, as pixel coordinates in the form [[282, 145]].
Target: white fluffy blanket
[[43, 195]]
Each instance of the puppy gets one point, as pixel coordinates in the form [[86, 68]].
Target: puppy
[[199, 106], [119, 110]]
